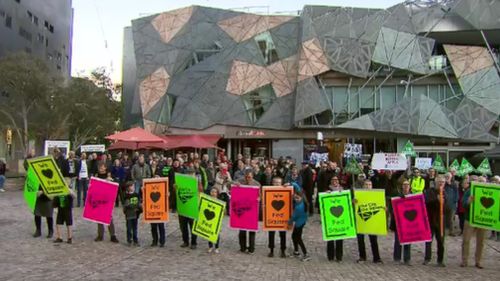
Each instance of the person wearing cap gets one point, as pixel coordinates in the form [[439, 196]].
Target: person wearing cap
[[242, 236], [417, 183]]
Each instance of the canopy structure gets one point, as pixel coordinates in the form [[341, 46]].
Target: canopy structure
[[193, 141], [134, 139]]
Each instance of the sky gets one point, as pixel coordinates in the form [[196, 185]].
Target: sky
[[98, 24]]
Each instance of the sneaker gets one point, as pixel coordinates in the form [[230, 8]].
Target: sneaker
[[270, 255], [426, 262], [440, 264], [282, 255], [37, 234], [378, 261], [129, 243], [479, 266], [407, 263], [162, 245], [295, 254], [51, 233], [2, 190], [217, 251], [361, 260], [306, 258], [70, 241], [136, 244], [243, 250], [250, 252], [193, 246], [154, 244], [463, 265], [98, 239], [58, 240], [114, 239], [210, 250], [184, 245]]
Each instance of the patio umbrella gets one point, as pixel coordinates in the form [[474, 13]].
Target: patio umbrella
[[135, 138]]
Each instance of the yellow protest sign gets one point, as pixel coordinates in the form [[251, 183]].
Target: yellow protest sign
[[49, 175], [370, 212]]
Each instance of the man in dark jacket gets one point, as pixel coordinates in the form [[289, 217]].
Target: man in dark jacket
[[308, 184]]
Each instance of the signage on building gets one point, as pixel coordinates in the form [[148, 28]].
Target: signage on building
[[250, 133]]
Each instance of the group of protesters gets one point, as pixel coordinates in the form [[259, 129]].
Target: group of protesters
[[307, 179]]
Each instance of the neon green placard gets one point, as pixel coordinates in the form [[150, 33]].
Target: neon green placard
[[186, 190], [31, 189], [49, 175], [209, 222], [485, 208], [337, 218], [370, 212]]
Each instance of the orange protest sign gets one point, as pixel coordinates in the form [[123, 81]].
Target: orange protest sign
[[155, 200], [277, 207]]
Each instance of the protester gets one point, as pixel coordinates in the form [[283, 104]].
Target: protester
[[405, 190], [83, 180], [43, 208], [334, 249], [451, 192], [214, 192], [299, 220], [131, 208], [277, 181], [3, 170], [102, 173], [308, 185], [140, 171], [64, 205], [464, 185], [223, 184], [70, 169], [185, 223], [373, 238], [242, 236], [118, 175], [417, 182]]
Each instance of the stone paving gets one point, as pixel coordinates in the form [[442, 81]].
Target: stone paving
[[25, 258]]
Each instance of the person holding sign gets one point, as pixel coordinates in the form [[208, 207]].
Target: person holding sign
[[43, 208], [214, 192], [277, 181], [437, 207], [373, 238], [335, 248], [64, 205], [242, 236], [186, 223], [471, 230], [299, 220], [397, 246]]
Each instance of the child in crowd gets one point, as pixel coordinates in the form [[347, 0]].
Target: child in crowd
[[131, 208], [64, 205], [299, 219], [214, 192]]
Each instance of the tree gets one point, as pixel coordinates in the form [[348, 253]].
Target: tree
[[25, 80]]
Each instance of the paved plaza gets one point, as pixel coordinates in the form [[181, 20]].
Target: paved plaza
[[25, 258]]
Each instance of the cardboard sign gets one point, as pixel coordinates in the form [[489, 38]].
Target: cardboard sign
[[155, 198], [485, 209], [100, 201], [412, 222], [389, 161], [50, 177], [353, 150], [484, 168], [438, 165], [31, 189], [186, 190], [62, 145], [370, 212], [423, 163], [93, 148], [277, 207], [244, 211], [409, 150], [209, 222], [337, 218]]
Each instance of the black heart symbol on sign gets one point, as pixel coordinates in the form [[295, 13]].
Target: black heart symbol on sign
[[184, 197], [278, 204], [155, 196], [337, 211], [410, 215], [47, 173], [487, 202], [209, 214], [240, 207]]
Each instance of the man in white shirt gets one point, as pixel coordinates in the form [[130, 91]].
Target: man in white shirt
[[83, 179]]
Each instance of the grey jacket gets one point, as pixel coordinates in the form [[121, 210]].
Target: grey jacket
[[139, 172]]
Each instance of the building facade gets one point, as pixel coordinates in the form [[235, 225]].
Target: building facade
[[421, 70], [43, 29]]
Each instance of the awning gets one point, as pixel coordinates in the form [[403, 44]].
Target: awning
[[135, 135]]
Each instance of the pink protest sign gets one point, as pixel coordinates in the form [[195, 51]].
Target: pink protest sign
[[100, 201], [244, 208], [412, 223]]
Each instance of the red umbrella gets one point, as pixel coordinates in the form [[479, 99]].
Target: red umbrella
[[135, 138], [135, 146], [194, 141]]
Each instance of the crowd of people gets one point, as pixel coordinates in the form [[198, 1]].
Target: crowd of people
[[307, 178]]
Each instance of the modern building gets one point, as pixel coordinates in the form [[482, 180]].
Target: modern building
[[421, 70], [41, 28]]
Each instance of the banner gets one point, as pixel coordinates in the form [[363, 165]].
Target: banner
[[155, 200], [389, 161], [484, 168], [49, 146], [50, 177], [93, 148], [337, 218], [244, 211], [409, 150], [100, 201], [423, 163], [485, 208], [370, 212], [186, 189], [438, 165], [31, 189], [412, 223], [465, 168], [209, 222], [277, 207]]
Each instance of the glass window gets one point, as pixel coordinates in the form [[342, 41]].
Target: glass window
[[339, 98], [354, 101], [417, 90], [267, 47], [434, 91], [387, 96], [258, 102], [367, 100]]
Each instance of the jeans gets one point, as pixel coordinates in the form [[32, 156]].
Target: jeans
[[138, 186], [72, 183], [132, 230], [297, 240], [440, 245], [242, 237], [282, 240], [373, 245], [2, 181], [397, 250], [186, 224], [335, 248], [82, 187], [158, 228]]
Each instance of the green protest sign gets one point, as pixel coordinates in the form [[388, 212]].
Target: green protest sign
[[31, 189], [370, 211], [49, 175], [409, 150], [352, 167], [209, 222], [186, 191], [438, 165], [454, 165], [465, 168], [484, 168], [485, 208], [337, 218]]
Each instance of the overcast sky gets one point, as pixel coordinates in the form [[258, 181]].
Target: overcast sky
[[98, 24]]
